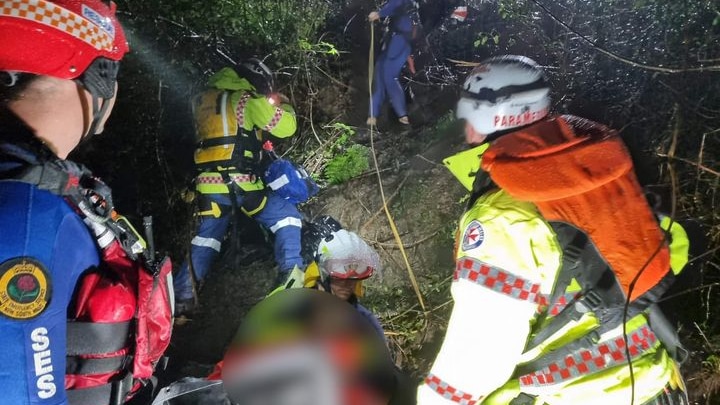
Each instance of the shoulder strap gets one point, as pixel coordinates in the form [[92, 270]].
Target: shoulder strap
[[88, 195], [600, 293]]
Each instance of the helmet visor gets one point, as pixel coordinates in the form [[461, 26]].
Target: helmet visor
[[345, 270]]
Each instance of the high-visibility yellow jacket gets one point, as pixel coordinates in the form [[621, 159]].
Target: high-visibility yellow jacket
[[229, 119], [507, 263]]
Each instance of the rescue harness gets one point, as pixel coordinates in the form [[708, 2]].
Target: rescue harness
[[223, 144], [601, 295]]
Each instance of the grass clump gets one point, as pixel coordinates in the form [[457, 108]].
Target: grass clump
[[348, 164]]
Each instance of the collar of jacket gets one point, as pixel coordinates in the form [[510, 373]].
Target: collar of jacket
[[228, 79], [465, 165]]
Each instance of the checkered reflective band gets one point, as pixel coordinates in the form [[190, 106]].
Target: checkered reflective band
[[449, 392], [240, 109], [238, 178], [498, 280], [51, 15], [274, 120], [592, 359], [559, 305]]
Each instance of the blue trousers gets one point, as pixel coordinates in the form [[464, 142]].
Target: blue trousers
[[279, 216], [385, 79]]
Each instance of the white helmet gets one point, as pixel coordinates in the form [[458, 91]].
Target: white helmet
[[504, 92], [347, 256]]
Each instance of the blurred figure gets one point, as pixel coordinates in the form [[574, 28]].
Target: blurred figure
[[296, 347]]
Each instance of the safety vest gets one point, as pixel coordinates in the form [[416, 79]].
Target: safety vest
[[220, 140], [121, 320], [229, 117]]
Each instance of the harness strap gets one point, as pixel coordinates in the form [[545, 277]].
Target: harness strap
[[113, 393], [45, 178], [85, 338], [600, 292], [592, 358], [81, 366], [601, 295], [219, 141]]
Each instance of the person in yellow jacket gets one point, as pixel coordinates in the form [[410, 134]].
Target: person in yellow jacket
[[559, 259], [230, 117]]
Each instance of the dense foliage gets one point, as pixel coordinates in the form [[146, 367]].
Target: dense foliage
[[650, 68]]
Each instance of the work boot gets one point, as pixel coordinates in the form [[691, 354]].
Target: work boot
[[404, 120], [371, 121]]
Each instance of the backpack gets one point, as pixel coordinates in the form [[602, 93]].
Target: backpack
[[290, 181], [412, 8], [287, 179], [416, 36]]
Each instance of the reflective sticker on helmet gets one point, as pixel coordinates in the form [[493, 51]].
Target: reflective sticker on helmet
[[516, 120], [24, 288], [97, 18], [51, 15], [473, 236]]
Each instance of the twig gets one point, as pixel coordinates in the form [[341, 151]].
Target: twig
[[363, 205], [428, 160], [690, 162], [390, 198], [621, 58], [688, 291], [334, 80], [402, 313], [406, 246], [671, 168], [709, 345]]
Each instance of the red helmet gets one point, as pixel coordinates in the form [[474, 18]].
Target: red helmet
[[58, 38]]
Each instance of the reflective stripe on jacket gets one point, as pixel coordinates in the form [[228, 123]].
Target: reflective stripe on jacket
[[214, 183], [516, 258], [228, 108]]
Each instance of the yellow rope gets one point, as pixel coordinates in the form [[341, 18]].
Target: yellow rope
[[398, 240]]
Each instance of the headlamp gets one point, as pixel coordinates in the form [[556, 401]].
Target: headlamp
[[273, 99]]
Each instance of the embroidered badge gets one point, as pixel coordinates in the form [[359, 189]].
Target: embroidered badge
[[24, 288], [473, 237]]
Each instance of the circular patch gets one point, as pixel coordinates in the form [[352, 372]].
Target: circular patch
[[473, 236], [24, 288]]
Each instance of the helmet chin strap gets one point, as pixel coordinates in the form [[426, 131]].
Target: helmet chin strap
[[99, 80], [97, 114]]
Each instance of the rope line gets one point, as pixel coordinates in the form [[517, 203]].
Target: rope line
[[396, 234]]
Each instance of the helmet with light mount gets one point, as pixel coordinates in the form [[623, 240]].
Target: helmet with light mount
[[258, 74]]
